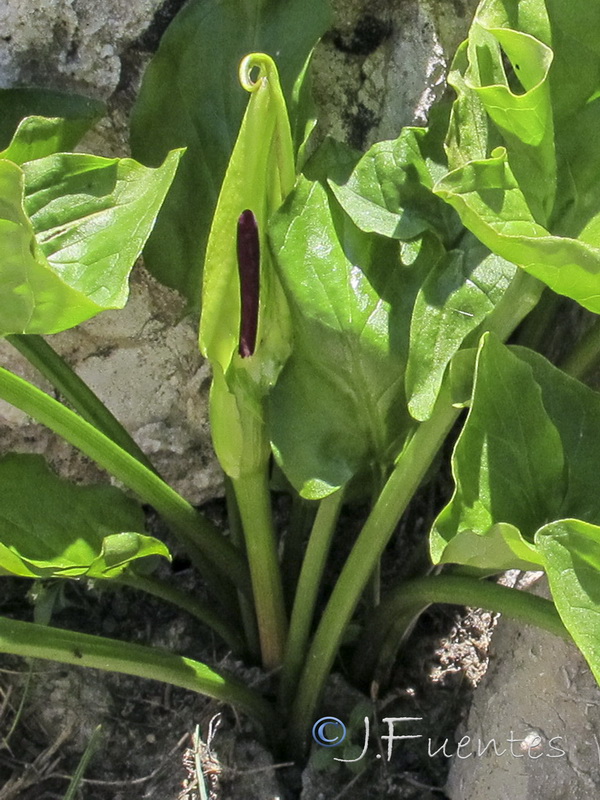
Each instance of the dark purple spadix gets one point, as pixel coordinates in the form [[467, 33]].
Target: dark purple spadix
[[248, 255]]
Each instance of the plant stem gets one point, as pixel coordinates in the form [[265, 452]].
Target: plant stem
[[536, 329], [301, 519], [518, 301], [387, 626], [201, 538], [411, 466], [81, 649], [586, 353], [313, 567], [237, 537], [410, 469], [254, 503], [201, 611], [56, 370]]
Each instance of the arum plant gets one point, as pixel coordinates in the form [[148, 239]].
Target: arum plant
[[352, 306], [245, 329]]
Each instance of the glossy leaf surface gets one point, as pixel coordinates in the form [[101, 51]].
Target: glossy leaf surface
[[524, 139], [339, 406], [390, 189], [459, 293], [52, 528], [71, 228]]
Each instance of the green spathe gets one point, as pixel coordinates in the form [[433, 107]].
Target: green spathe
[[190, 98], [259, 176]]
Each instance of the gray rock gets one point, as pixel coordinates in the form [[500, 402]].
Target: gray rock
[[69, 44], [540, 692], [384, 64]]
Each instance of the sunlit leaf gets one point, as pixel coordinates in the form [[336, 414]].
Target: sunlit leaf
[[50, 528]]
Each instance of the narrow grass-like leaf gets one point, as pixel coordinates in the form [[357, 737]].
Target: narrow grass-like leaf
[[89, 751]]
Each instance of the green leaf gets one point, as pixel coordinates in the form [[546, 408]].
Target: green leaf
[[500, 547], [459, 293], [575, 411], [524, 140], [508, 463], [491, 204], [572, 30], [303, 111], [37, 122], [522, 112], [461, 374], [338, 408], [190, 97], [471, 134], [69, 244], [571, 550], [51, 528], [389, 191]]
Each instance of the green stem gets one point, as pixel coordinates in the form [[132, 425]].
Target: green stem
[[53, 367], [372, 540], [254, 503], [237, 537], [387, 626], [373, 593], [412, 464], [376, 666], [518, 301], [537, 328], [313, 567], [81, 649], [201, 611], [201, 538], [586, 353], [301, 519]]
